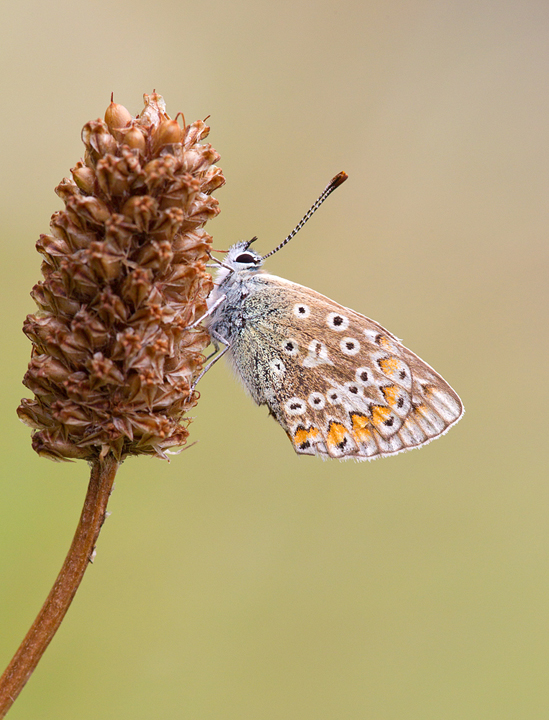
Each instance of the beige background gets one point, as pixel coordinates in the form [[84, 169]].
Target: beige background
[[241, 582]]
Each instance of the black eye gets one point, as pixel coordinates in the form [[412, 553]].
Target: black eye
[[246, 258]]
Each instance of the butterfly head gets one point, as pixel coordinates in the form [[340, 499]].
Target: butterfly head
[[239, 262], [241, 257]]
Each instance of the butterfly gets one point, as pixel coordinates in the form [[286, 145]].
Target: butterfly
[[338, 383]]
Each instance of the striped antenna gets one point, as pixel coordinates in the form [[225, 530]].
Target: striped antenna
[[334, 183]]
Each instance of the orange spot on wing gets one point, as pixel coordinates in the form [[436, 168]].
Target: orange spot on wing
[[389, 365], [361, 430], [336, 434], [304, 437], [380, 414], [385, 342], [391, 393]]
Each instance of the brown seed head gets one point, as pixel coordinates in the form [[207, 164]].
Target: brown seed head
[[113, 362], [116, 116]]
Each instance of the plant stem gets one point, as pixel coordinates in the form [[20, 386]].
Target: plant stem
[[57, 603]]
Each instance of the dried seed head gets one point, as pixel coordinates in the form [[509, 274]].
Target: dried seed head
[[112, 362], [116, 116], [135, 139]]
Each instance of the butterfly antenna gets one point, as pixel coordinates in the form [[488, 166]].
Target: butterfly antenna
[[334, 183]]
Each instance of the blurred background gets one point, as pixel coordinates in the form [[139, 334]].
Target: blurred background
[[239, 581]]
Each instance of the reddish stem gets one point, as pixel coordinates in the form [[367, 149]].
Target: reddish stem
[[57, 603]]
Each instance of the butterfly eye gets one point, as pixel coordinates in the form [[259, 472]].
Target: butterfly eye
[[246, 258]]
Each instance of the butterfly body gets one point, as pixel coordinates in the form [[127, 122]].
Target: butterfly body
[[339, 384]]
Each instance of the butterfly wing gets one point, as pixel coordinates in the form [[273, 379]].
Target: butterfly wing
[[339, 384]]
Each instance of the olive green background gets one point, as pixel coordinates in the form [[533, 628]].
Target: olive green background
[[239, 581]]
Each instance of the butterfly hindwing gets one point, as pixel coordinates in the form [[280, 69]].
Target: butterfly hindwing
[[339, 383]]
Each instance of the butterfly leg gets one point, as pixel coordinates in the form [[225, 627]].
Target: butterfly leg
[[219, 263], [208, 312], [217, 340]]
